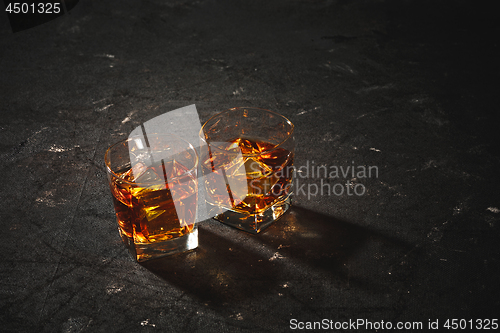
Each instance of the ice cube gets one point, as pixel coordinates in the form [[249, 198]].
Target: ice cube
[[127, 175], [235, 165], [137, 170], [258, 176], [147, 184], [248, 146], [149, 176], [178, 169]]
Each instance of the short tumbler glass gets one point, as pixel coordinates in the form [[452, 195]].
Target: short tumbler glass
[[247, 163], [153, 180]]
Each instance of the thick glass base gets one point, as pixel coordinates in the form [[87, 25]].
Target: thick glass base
[[255, 223], [148, 251]]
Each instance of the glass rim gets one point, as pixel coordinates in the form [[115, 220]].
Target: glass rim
[[108, 169], [292, 129]]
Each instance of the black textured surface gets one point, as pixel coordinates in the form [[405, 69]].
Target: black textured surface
[[407, 86]]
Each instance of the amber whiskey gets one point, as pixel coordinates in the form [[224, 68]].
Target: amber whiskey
[[155, 203], [247, 176]]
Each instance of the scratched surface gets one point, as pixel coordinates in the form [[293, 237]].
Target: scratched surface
[[407, 87]]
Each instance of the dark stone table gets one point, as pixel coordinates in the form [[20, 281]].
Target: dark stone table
[[408, 87]]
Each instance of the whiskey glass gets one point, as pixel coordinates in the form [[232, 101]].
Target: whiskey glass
[[246, 158], [153, 182]]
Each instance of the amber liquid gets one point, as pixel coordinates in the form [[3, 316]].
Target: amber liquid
[[147, 212], [247, 176]]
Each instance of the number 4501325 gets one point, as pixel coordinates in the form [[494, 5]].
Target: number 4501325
[[479, 324], [33, 8]]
